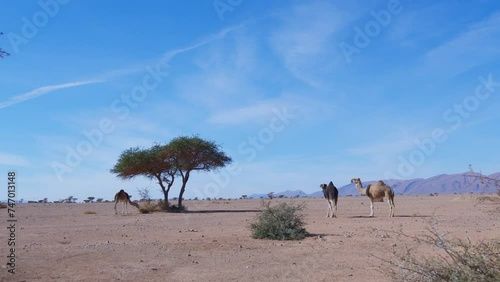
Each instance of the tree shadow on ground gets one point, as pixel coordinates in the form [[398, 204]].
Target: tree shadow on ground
[[366, 216]]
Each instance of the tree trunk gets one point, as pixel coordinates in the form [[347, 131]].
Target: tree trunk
[[185, 179], [165, 191]]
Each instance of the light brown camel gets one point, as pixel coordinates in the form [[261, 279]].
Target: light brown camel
[[376, 192], [124, 198], [331, 195]]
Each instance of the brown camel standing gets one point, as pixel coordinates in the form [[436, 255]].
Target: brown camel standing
[[376, 192], [124, 198]]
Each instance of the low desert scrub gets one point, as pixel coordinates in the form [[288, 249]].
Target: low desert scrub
[[3, 206], [89, 212], [457, 260], [157, 206], [281, 222], [151, 206]]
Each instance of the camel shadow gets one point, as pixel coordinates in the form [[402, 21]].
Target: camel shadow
[[321, 235], [222, 211], [403, 216]]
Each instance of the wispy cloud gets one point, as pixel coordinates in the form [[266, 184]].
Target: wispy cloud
[[113, 74], [299, 106], [12, 160], [304, 39], [243, 115], [169, 55], [43, 91], [476, 46]]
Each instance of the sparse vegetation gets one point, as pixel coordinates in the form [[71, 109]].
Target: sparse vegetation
[[89, 212], [485, 180], [281, 222], [179, 157], [3, 206], [145, 194], [458, 260], [150, 206]]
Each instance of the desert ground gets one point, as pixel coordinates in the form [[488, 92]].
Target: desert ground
[[212, 242]]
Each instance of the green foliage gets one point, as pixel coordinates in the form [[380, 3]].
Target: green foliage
[[459, 261], [164, 162], [152, 163], [282, 222], [189, 154]]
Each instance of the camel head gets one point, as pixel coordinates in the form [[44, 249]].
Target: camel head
[[323, 186], [135, 204], [356, 181]]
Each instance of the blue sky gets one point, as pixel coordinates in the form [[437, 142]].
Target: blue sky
[[297, 93]]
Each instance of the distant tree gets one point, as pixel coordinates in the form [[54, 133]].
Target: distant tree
[[91, 199], [189, 154], [270, 195], [3, 53], [145, 194], [244, 196], [152, 163]]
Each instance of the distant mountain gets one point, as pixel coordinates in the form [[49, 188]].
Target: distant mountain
[[287, 194], [462, 183]]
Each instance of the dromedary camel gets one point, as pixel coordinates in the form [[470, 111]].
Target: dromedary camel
[[376, 192], [331, 195], [124, 198]]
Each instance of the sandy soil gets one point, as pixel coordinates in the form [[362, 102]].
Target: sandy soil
[[212, 241]]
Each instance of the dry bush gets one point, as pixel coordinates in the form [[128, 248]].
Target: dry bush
[[3, 206], [147, 207], [89, 212], [282, 222], [150, 206], [458, 260]]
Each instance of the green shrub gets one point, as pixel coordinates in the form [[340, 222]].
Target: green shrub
[[282, 222], [459, 261]]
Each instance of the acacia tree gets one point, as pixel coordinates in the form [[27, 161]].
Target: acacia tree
[[2, 52], [189, 154], [150, 163]]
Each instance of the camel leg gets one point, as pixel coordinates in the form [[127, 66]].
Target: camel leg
[[329, 209], [391, 205], [123, 207], [371, 208], [335, 214], [116, 202], [334, 208]]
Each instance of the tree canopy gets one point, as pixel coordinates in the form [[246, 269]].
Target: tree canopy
[[149, 163], [164, 162], [193, 153]]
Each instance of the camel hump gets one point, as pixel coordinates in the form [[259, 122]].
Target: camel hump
[[380, 182], [331, 184]]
